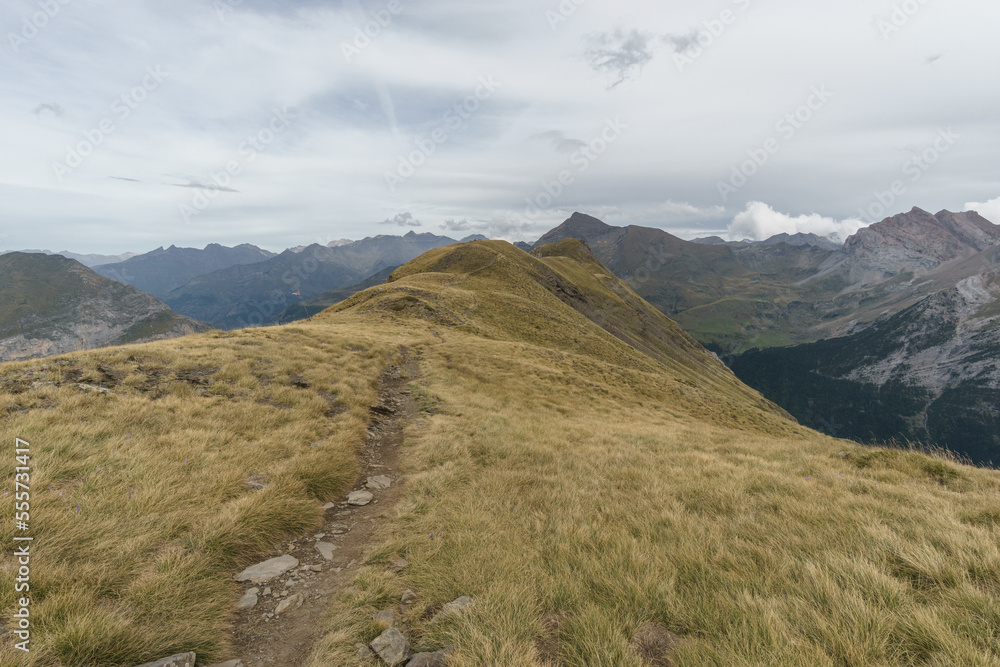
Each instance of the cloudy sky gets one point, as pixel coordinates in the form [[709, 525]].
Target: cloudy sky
[[129, 124]]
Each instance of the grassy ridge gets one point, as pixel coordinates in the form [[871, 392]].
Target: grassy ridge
[[141, 510], [577, 496]]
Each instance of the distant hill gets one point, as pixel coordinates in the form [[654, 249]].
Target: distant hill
[[87, 260], [163, 270], [255, 294], [52, 305], [803, 239]]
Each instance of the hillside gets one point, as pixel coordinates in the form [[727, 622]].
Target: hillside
[[89, 260], [161, 271], [53, 305], [928, 374], [255, 294], [578, 499]]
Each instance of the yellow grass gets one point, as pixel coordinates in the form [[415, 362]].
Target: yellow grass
[[140, 507]]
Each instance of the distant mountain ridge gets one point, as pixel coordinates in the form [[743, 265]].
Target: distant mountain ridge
[[791, 288], [50, 305], [255, 294], [88, 260], [161, 271]]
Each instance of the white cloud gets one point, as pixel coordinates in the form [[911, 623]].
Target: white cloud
[[758, 221], [989, 210]]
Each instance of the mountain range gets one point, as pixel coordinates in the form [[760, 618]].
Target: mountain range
[[255, 294], [161, 271]]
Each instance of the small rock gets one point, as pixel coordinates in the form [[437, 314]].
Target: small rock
[[398, 565], [329, 506], [326, 549], [267, 591], [454, 607], [249, 599], [409, 597], [228, 663], [93, 388], [288, 603], [339, 528], [392, 646], [319, 536], [360, 498], [386, 617], [316, 568], [180, 660], [269, 569], [379, 482], [364, 653], [436, 659]]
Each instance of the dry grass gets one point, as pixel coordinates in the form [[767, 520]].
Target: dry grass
[[141, 509], [611, 510]]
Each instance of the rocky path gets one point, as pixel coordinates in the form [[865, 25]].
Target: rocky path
[[285, 600]]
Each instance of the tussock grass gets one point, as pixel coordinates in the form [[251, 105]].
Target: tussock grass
[[755, 549], [141, 509]]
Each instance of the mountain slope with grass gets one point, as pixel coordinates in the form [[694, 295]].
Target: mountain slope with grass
[[929, 374], [598, 485], [51, 305]]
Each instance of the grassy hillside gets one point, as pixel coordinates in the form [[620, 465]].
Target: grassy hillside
[[50, 304], [576, 486]]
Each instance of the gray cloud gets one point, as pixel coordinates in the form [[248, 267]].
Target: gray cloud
[[402, 220], [681, 42], [452, 225], [620, 54], [560, 141], [201, 184], [50, 107]]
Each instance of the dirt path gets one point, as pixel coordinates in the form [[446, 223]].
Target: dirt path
[[262, 638]]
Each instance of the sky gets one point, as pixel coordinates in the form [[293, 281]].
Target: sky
[[130, 124]]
